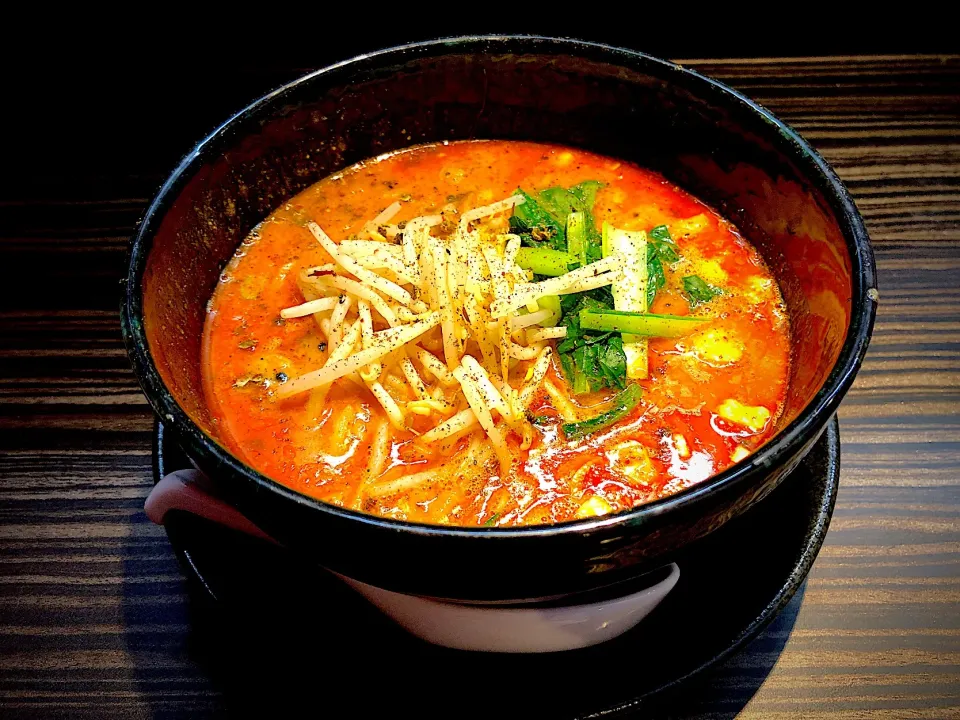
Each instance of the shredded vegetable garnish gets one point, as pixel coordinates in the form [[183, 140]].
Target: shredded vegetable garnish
[[454, 317]]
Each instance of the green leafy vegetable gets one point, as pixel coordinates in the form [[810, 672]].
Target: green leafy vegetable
[[491, 520], [660, 238], [542, 219], [623, 403], [698, 291], [613, 362], [561, 202], [558, 231], [590, 360], [655, 277], [559, 221], [660, 250], [536, 226], [571, 320], [645, 324], [544, 261], [597, 365], [576, 364]]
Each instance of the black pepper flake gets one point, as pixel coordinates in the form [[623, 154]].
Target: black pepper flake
[[322, 347], [342, 299], [281, 377]]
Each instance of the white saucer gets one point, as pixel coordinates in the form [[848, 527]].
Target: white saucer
[[520, 627]]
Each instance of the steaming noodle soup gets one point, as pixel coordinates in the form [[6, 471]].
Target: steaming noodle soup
[[495, 333]]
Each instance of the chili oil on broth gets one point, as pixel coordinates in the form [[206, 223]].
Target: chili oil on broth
[[711, 398]]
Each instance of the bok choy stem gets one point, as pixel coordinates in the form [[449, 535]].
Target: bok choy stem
[[648, 325], [544, 261], [577, 236]]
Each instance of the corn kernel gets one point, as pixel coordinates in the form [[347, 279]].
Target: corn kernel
[[593, 507], [754, 417], [716, 347]]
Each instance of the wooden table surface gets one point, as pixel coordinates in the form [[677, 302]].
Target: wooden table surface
[[878, 630]]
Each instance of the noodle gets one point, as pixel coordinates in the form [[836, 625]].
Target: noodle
[[309, 308]]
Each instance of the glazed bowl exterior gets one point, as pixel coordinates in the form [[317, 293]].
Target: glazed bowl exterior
[[707, 138]]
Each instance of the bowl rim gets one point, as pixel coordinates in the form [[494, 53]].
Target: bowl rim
[[806, 426]]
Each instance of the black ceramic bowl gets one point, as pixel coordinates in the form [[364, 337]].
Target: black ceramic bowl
[[706, 137]]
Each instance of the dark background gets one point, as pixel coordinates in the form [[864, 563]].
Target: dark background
[[98, 101], [95, 109]]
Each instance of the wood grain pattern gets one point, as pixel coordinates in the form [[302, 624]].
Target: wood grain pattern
[[93, 617]]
